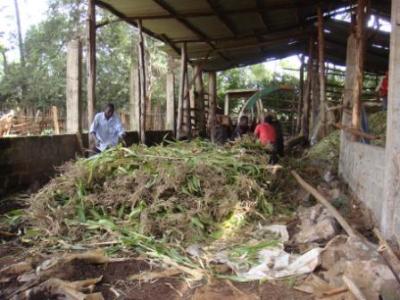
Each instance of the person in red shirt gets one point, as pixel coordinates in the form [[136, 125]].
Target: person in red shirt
[[383, 90], [265, 132]]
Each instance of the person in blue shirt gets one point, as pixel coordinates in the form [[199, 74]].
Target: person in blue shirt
[[106, 130]]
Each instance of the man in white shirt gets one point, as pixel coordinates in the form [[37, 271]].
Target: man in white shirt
[[106, 129]]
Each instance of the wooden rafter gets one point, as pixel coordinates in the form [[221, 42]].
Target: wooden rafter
[[261, 12], [265, 8], [222, 16], [131, 21], [188, 25]]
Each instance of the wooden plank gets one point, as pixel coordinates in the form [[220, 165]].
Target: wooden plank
[[388, 255], [356, 132], [142, 83], [332, 210], [353, 288], [91, 60]]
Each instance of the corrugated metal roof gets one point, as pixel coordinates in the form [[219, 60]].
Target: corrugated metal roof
[[237, 32]]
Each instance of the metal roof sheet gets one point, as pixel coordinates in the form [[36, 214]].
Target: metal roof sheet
[[235, 32]]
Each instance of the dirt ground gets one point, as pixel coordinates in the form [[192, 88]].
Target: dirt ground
[[116, 285]]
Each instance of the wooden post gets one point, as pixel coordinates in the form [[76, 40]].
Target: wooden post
[[321, 70], [305, 123], [170, 124], [199, 94], [74, 87], [212, 92], [187, 112], [142, 83], [56, 125], [134, 99], [181, 91], [360, 41], [390, 220], [91, 60], [300, 104], [226, 105], [315, 99], [349, 85]]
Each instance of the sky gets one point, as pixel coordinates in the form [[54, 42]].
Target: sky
[[31, 11]]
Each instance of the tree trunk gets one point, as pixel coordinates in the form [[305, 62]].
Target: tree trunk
[[5, 62], [19, 31]]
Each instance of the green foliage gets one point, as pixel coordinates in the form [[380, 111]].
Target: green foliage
[[43, 78]]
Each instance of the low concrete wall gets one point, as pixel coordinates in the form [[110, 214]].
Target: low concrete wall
[[29, 162], [362, 167]]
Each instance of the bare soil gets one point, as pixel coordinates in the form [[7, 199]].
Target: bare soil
[[115, 283]]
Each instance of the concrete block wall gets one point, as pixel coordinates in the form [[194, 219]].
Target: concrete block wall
[[29, 162], [362, 167]]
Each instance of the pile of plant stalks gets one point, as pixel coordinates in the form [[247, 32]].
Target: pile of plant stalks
[[155, 199]]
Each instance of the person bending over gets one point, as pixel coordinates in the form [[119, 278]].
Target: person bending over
[[106, 130], [266, 134]]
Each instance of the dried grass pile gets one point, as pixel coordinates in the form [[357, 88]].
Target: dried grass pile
[[158, 199]]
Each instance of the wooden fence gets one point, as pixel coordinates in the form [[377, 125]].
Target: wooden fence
[[52, 120]]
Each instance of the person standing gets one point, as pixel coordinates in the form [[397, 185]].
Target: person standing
[[382, 88], [106, 130]]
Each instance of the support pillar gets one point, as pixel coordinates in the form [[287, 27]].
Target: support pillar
[[212, 92], [134, 99], [142, 83], [187, 111], [300, 104], [199, 95], [170, 122], [390, 223], [179, 128], [74, 87], [91, 60], [360, 45], [226, 105], [305, 123], [321, 72], [315, 101]]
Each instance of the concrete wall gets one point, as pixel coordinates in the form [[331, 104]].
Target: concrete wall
[[29, 162], [362, 167]]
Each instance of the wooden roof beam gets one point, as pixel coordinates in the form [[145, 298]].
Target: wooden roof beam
[[267, 7], [188, 25], [222, 17], [131, 21], [261, 11]]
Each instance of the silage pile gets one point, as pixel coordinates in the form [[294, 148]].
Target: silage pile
[[328, 149], [377, 125], [158, 201]]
